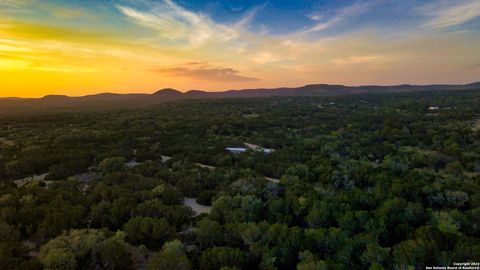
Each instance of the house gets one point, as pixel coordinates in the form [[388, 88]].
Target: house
[[258, 148], [266, 150], [236, 150], [132, 163]]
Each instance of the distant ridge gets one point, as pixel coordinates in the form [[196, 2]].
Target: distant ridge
[[112, 100], [168, 92], [55, 97]]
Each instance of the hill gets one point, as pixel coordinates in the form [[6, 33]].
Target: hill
[[111, 100]]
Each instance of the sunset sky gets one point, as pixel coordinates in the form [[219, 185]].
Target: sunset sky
[[91, 46]]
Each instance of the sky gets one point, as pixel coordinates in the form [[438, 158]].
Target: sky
[[91, 46]]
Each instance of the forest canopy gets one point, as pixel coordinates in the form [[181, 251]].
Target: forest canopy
[[368, 181]]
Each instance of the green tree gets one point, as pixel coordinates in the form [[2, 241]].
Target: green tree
[[374, 254], [13, 254], [218, 257], [251, 207], [114, 253], [79, 249], [209, 233], [152, 232], [408, 254], [171, 257], [113, 164], [309, 262]]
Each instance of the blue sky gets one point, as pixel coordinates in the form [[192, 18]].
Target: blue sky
[[284, 16]]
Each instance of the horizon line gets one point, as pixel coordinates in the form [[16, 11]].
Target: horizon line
[[226, 90]]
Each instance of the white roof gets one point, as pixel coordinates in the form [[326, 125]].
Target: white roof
[[236, 149]]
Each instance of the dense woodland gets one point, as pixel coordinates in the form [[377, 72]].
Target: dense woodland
[[377, 181]]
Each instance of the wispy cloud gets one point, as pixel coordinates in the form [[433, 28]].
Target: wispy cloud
[[16, 7], [13, 3], [178, 25], [339, 16], [244, 23], [264, 57], [204, 71], [356, 60], [185, 30], [450, 13]]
